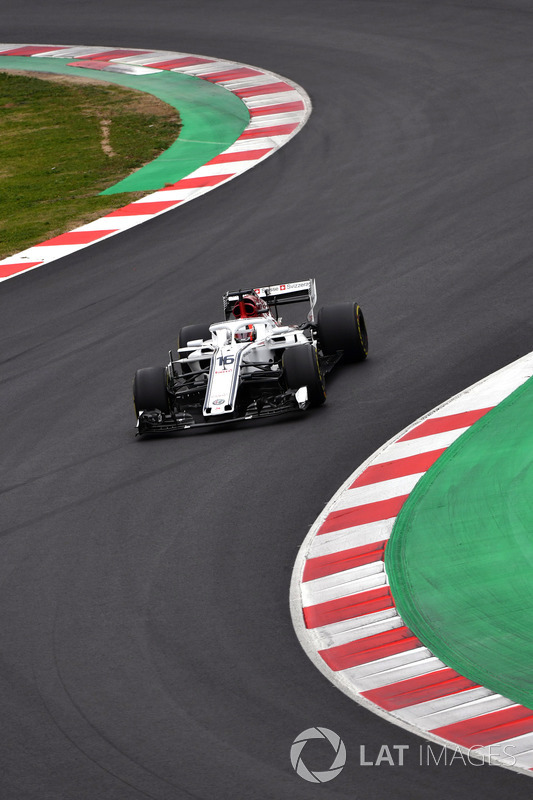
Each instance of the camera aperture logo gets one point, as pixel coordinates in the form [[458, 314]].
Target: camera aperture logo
[[337, 764]]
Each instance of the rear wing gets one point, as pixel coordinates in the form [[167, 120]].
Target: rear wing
[[275, 296]]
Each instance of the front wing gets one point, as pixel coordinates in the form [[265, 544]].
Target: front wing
[[156, 421]]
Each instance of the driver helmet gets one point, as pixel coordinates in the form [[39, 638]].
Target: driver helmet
[[250, 305], [246, 333]]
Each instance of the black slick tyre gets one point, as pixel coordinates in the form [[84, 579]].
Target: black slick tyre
[[301, 368], [191, 333], [341, 326], [150, 390]]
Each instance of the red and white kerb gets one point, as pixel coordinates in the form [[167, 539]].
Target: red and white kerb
[[344, 612], [278, 109]]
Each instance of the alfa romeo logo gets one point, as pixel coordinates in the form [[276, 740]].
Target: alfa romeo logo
[[337, 764]]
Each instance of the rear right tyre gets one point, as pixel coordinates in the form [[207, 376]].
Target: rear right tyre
[[191, 333]]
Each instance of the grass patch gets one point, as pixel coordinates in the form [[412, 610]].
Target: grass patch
[[64, 140]]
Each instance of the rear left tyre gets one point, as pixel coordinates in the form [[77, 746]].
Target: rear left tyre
[[341, 326]]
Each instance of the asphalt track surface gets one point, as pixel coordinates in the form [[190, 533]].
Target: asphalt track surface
[[147, 648]]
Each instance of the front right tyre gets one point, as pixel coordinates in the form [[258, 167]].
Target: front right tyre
[[150, 390]]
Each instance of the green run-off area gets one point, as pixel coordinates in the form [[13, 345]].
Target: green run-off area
[[212, 117], [460, 558], [56, 172], [61, 143]]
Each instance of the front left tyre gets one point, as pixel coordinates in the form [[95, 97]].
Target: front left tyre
[[301, 368], [150, 390]]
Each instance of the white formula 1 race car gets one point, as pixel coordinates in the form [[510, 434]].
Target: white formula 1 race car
[[251, 366]]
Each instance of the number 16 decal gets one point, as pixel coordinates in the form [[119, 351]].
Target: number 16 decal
[[225, 361]]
